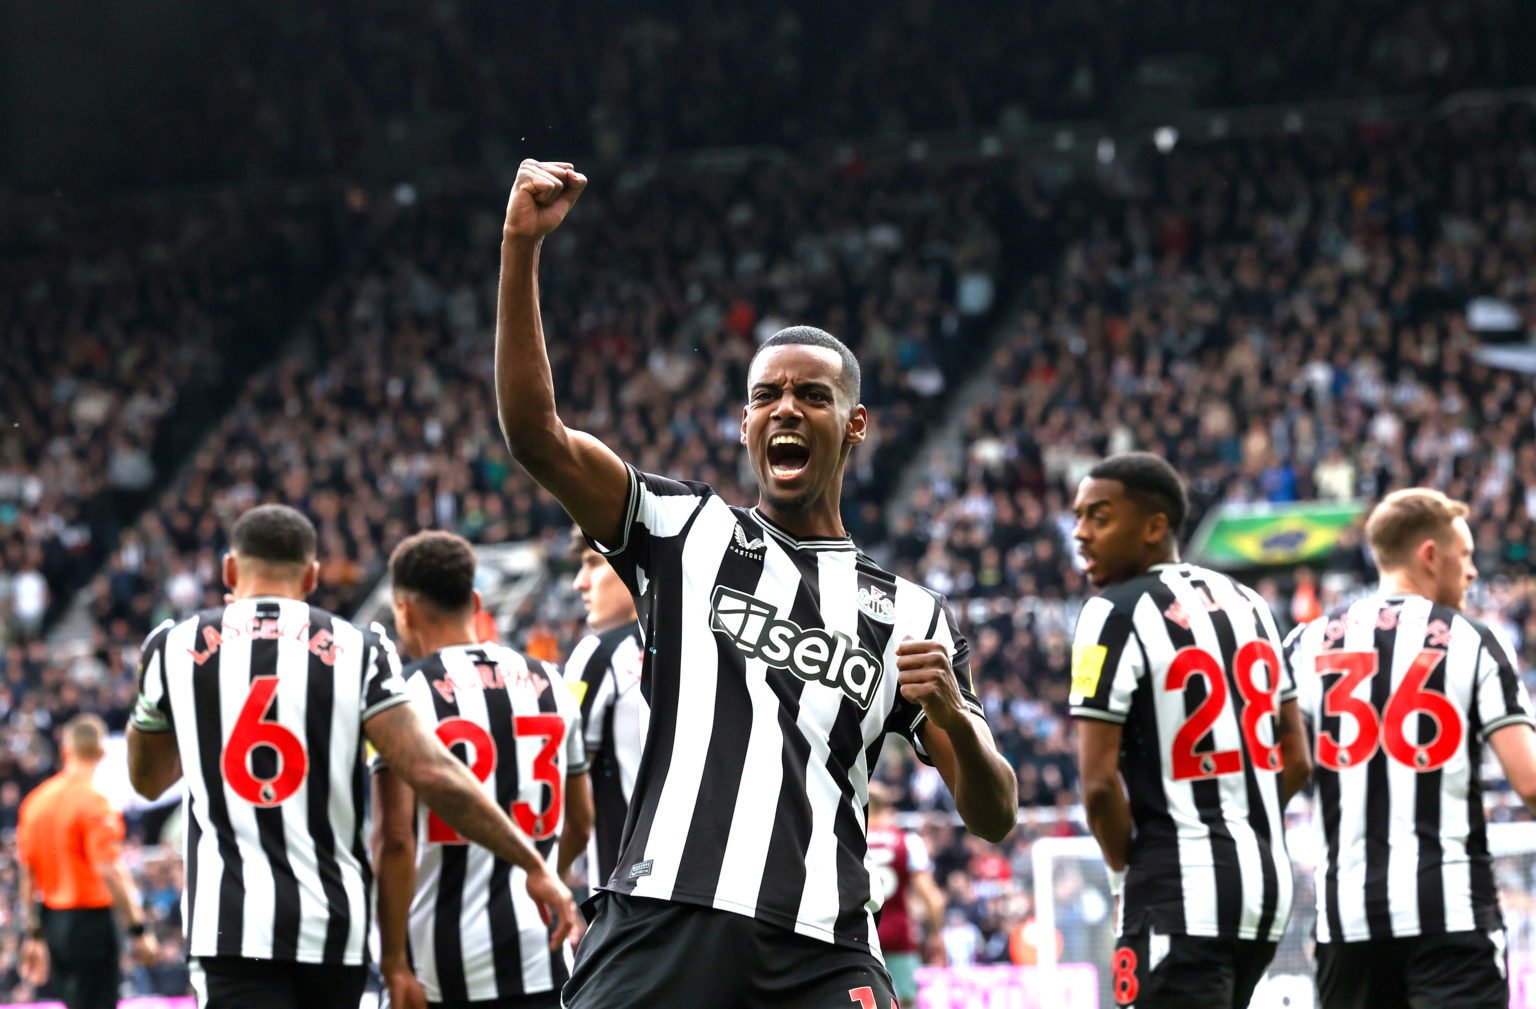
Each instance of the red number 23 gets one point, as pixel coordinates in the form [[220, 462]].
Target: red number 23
[[537, 823]]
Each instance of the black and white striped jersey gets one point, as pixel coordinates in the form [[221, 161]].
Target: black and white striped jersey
[[1188, 661], [770, 668], [604, 670], [1400, 695], [475, 934], [267, 698]]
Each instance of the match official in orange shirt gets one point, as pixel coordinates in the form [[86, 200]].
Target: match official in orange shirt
[[69, 839]]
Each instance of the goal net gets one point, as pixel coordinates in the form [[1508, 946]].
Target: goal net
[[1071, 897]]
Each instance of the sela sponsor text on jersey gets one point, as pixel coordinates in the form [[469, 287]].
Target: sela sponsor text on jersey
[[815, 655]]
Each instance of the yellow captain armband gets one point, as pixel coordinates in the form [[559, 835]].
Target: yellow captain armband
[[1087, 667]]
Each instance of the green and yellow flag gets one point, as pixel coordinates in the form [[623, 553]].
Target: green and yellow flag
[[1255, 535]]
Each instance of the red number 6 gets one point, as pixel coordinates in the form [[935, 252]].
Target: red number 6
[[253, 729]]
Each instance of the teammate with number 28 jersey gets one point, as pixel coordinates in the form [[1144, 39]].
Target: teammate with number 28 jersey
[[1179, 690], [1402, 691]]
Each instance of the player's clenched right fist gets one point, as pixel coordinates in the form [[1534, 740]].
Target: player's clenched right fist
[[543, 194]]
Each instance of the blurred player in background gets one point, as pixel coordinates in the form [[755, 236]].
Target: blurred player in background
[[69, 848], [264, 703], [777, 659], [905, 872], [604, 670], [1403, 691], [1180, 694], [475, 936]]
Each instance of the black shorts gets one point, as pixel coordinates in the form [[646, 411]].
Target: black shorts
[[643, 954], [233, 982], [1151, 971], [543, 1000], [82, 951], [1459, 970]]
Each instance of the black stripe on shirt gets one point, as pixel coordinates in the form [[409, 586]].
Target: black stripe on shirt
[[286, 912], [506, 938], [784, 872], [662, 693], [715, 808], [447, 914], [1428, 787], [317, 729], [210, 750], [557, 969], [1378, 801], [1207, 791]]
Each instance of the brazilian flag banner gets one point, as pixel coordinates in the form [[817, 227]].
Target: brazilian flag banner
[[1255, 535]]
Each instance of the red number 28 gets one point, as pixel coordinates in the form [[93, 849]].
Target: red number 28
[[1259, 704]]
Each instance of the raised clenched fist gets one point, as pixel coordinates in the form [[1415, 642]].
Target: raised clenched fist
[[543, 194]]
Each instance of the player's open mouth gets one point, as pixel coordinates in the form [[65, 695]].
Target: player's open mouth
[[789, 453]]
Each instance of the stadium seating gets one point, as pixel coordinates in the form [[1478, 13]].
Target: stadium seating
[[359, 88]]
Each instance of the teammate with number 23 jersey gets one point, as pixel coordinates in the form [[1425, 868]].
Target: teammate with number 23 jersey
[[475, 938], [1402, 691], [1178, 690]]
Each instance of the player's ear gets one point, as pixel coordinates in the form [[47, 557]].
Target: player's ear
[[743, 425], [1428, 554], [231, 570], [858, 425], [1156, 527], [475, 596], [311, 577]]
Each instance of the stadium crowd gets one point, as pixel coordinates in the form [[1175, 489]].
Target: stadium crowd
[[124, 327], [1285, 319], [352, 87]]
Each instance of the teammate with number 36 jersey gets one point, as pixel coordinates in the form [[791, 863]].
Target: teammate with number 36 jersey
[[1402, 691], [1179, 691]]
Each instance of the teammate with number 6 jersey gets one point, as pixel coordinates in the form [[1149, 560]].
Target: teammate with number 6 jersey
[[1401, 691], [475, 938], [1189, 746], [264, 703]]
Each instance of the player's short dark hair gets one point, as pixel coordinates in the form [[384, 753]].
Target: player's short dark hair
[[437, 566], [810, 336], [274, 533], [1150, 481]]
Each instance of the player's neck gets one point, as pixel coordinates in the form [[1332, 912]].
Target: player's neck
[[255, 587], [611, 625], [446, 635], [1402, 583], [1166, 557], [821, 519]]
